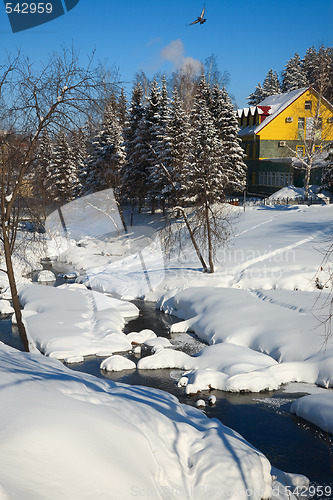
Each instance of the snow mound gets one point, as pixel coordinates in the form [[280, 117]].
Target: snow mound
[[294, 193], [90, 437], [5, 307], [117, 363], [46, 276], [79, 322], [317, 409], [246, 354]]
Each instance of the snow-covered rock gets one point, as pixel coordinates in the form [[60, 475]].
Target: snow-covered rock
[[117, 363], [5, 307], [46, 275]]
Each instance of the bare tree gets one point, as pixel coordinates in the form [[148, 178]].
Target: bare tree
[[57, 96], [315, 130]]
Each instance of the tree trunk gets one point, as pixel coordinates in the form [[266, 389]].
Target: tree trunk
[[163, 206], [203, 263], [209, 239], [153, 206], [307, 181], [13, 289]]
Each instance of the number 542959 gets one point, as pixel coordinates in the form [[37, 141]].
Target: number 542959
[[28, 8]]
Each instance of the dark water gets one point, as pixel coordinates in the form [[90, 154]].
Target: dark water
[[290, 443]]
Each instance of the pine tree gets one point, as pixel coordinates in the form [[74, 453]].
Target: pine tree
[[271, 85], [162, 147], [42, 164], [107, 153], [318, 66], [150, 136], [78, 142], [178, 136], [206, 180], [63, 172], [122, 109], [134, 171], [232, 162], [327, 173], [257, 96], [294, 76]]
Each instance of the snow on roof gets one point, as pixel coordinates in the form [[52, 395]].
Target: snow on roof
[[278, 103], [275, 104]]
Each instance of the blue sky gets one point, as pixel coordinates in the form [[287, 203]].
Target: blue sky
[[248, 38]]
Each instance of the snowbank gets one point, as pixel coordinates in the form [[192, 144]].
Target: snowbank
[[70, 321], [295, 193], [274, 338], [74, 436], [317, 409]]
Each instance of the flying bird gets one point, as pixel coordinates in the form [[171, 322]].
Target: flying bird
[[200, 19]]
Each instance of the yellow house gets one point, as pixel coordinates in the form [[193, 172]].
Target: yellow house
[[280, 129]]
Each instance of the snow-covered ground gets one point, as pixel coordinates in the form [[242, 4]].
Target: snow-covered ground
[[69, 435], [260, 314]]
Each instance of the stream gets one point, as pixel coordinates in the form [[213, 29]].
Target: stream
[[290, 443]]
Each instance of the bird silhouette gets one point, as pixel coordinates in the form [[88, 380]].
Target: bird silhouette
[[200, 19]]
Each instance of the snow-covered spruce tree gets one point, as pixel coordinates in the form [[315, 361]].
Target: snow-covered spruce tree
[[206, 180], [318, 66], [78, 142], [257, 96], [63, 170], [162, 148], [107, 154], [150, 126], [271, 85], [178, 137], [294, 76], [42, 166], [89, 132], [134, 171], [122, 109], [327, 174], [232, 157]]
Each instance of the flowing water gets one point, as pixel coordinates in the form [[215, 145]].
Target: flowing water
[[290, 443]]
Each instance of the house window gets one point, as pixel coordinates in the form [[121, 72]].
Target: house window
[[277, 179], [318, 149], [301, 123], [300, 151], [308, 105]]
